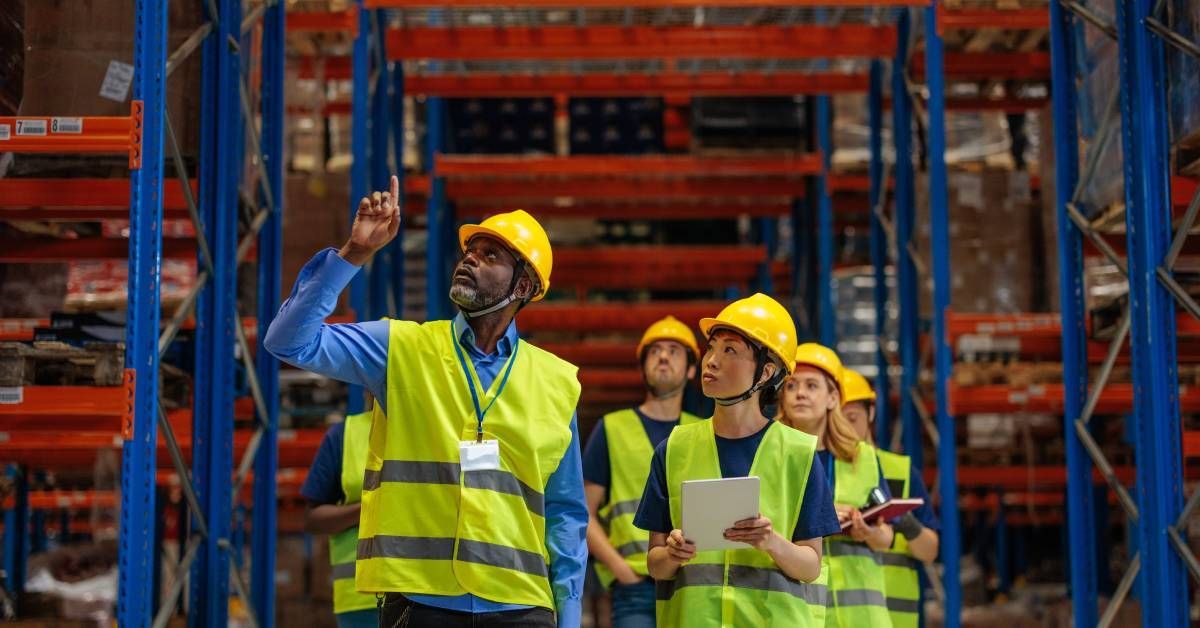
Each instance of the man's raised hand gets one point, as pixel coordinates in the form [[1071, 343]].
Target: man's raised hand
[[375, 224]]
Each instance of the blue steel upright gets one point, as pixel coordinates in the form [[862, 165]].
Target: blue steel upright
[[907, 282], [397, 145], [136, 548], [1152, 314], [380, 275], [879, 255], [1071, 302], [826, 318], [438, 219], [270, 254], [360, 114], [951, 539], [222, 143], [16, 532]]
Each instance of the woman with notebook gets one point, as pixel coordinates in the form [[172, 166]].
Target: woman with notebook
[[811, 403], [774, 577]]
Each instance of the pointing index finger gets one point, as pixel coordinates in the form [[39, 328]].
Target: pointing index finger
[[396, 189]]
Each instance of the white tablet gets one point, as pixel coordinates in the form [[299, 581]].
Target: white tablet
[[712, 506]]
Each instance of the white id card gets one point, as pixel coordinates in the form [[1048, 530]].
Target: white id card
[[479, 456]]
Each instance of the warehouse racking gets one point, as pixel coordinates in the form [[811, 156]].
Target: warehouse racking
[[407, 48]]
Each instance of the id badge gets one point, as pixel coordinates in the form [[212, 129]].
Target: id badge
[[479, 455]]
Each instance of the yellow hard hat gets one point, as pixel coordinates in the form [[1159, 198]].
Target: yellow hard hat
[[822, 358], [761, 319], [669, 328], [855, 387], [524, 235]]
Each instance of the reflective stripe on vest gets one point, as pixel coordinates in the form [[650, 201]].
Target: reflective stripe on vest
[[856, 578], [902, 581], [430, 528], [343, 546], [629, 455], [742, 587]]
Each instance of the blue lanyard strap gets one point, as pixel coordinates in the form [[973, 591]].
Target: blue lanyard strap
[[462, 362]]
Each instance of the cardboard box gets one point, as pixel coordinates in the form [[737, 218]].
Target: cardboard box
[[79, 58]]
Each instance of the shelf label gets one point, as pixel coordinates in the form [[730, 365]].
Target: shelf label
[[5, 132], [72, 126], [1018, 398], [117, 80], [31, 127], [12, 394], [4, 437]]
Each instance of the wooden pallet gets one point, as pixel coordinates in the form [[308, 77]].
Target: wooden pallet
[[60, 364]]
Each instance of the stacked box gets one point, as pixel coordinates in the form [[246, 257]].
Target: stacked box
[[991, 243], [854, 303], [615, 125], [504, 126], [767, 122]]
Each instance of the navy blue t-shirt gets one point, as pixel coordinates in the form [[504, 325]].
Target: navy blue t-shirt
[[324, 482], [736, 455], [916, 488], [597, 466], [825, 459]]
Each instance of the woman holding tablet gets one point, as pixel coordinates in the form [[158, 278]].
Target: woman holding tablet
[[774, 580], [811, 403]]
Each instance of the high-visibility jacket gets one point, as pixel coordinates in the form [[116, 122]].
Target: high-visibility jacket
[[343, 546], [430, 528], [856, 585], [629, 455], [900, 570], [742, 587]]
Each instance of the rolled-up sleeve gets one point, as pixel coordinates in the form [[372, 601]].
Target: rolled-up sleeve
[[566, 533], [355, 353]]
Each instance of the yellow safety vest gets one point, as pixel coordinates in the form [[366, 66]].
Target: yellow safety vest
[[856, 585], [900, 575], [629, 454], [743, 587], [429, 528], [343, 546]]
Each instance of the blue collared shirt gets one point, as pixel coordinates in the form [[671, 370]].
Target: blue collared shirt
[[356, 353]]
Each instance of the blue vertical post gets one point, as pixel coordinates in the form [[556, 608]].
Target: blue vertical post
[[939, 217], [1152, 321], [270, 255], [826, 319], [879, 254], [212, 443], [136, 536], [769, 236], [359, 124], [907, 282], [16, 532], [1003, 555], [437, 212], [397, 244], [799, 251], [381, 267], [1082, 569]]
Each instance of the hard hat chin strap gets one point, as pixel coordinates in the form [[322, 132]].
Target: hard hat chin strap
[[518, 271]]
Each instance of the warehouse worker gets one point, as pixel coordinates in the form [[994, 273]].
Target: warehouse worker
[[812, 403], [472, 508], [617, 461], [916, 532], [775, 579], [333, 488]]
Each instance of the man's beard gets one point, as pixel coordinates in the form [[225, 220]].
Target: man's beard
[[665, 385], [471, 298]]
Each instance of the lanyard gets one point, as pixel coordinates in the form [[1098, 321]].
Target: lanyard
[[462, 362]]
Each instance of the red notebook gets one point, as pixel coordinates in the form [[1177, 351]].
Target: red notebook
[[891, 509]]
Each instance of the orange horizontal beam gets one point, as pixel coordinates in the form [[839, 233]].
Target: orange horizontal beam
[[640, 42], [611, 378], [595, 353], [83, 194], [672, 84], [1007, 105], [975, 19], [656, 256], [47, 134], [1020, 476], [35, 250], [989, 65], [1191, 444], [641, 211], [648, 4], [597, 317], [625, 189], [323, 21], [20, 329], [1048, 398], [456, 166]]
